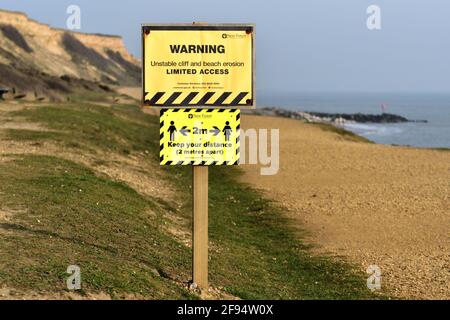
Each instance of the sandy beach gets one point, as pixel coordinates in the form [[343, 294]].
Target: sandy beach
[[370, 204]]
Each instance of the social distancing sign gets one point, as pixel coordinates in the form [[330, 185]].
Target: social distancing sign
[[200, 136], [195, 65], [199, 75]]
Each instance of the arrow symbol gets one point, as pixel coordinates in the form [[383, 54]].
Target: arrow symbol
[[216, 131], [184, 131]]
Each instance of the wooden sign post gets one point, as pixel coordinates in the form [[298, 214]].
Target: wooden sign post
[[199, 75], [200, 226]]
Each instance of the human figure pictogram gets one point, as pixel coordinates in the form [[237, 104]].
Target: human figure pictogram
[[227, 131], [172, 129]]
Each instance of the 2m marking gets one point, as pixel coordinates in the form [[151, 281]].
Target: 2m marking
[[200, 131]]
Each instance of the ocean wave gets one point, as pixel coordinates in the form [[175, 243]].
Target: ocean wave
[[373, 130]]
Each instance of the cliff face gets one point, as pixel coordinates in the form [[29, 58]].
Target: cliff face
[[34, 56]]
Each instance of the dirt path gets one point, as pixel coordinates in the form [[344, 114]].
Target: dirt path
[[373, 204]]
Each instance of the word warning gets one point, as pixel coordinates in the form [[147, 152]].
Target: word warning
[[200, 136], [198, 65]]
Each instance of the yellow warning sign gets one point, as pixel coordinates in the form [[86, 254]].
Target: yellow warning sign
[[198, 65], [200, 136]]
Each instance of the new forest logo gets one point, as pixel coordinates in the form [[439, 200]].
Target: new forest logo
[[233, 36]]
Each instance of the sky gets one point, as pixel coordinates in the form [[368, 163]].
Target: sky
[[302, 45]]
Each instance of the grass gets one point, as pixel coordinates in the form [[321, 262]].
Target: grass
[[345, 134], [122, 129], [82, 96], [441, 149], [64, 214], [116, 235]]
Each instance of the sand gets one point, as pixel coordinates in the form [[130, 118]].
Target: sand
[[370, 204]]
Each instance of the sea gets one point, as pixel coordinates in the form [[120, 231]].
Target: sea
[[432, 107]]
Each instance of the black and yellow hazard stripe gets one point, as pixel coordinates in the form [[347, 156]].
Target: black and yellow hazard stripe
[[168, 162], [199, 163], [192, 99]]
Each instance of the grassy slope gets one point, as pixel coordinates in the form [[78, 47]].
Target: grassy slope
[[73, 216], [345, 134], [115, 234]]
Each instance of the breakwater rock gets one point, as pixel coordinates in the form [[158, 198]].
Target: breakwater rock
[[334, 117]]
